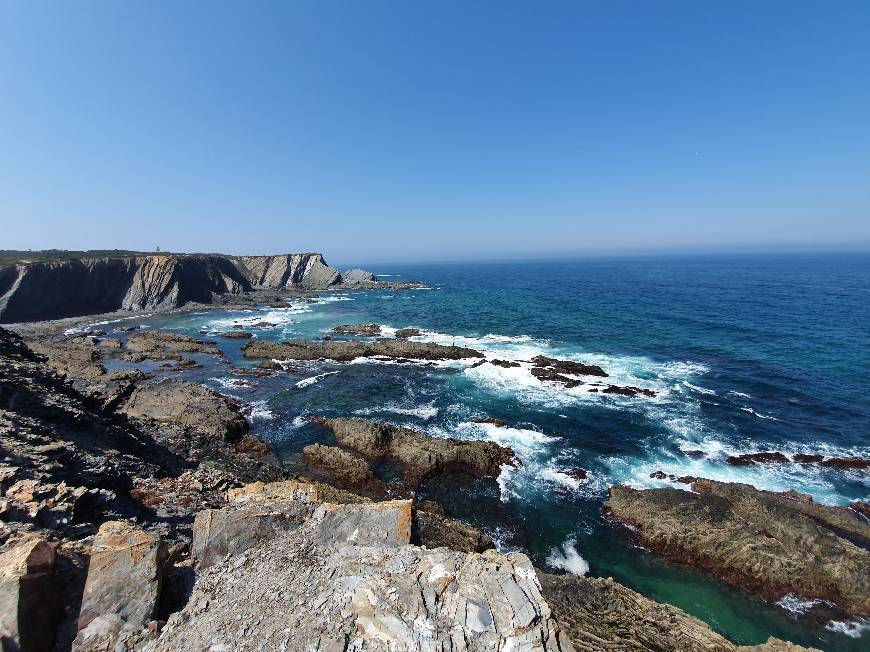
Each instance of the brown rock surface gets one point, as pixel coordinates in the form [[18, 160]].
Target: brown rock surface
[[767, 543], [420, 455], [343, 466], [190, 405], [347, 351], [602, 615], [358, 329], [123, 586], [30, 607]]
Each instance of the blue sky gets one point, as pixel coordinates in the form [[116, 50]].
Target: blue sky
[[409, 130]]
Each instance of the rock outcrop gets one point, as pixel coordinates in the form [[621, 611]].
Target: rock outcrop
[[419, 455], [768, 543], [357, 329], [391, 349], [347, 578], [602, 615]]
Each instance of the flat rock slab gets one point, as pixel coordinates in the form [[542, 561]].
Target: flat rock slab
[[190, 405], [347, 351], [318, 589]]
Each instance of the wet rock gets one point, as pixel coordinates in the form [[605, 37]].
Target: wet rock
[[846, 463], [190, 405], [767, 543], [110, 343], [506, 364], [123, 585], [358, 329], [861, 507], [628, 391], [695, 454], [237, 335], [568, 367], [420, 455], [501, 423], [270, 365], [30, 596], [344, 467], [578, 473], [405, 333], [258, 372], [803, 458], [658, 475], [347, 351], [748, 459]]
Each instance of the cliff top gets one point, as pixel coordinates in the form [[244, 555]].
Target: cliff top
[[18, 256]]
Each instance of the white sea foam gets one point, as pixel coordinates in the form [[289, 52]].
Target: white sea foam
[[306, 382], [852, 628], [758, 414], [797, 605], [567, 558], [700, 390], [425, 412], [740, 394], [231, 383], [259, 410]]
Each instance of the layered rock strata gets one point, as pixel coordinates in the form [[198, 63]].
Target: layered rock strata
[[392, 349], [768, 543]]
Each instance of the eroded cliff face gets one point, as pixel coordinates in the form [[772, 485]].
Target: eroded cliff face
[[308, 271], [50, 290]]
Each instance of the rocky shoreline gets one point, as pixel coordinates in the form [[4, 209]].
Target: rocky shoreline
[[51, 290], [232, 550]]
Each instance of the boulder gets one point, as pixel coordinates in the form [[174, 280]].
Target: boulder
[[30, 596], [764, 542], [123, 584], [405, 333]]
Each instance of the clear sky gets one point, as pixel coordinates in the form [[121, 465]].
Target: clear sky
[[405, 130]]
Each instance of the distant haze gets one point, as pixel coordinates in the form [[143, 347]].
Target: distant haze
[[400, 131]]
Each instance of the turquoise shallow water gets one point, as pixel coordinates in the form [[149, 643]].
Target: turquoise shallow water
[[747, 353]]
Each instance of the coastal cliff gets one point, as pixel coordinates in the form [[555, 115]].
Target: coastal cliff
[[49, 290]]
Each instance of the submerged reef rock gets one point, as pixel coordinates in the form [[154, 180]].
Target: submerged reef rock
[[419, 455], [392, 349], [768, 543]]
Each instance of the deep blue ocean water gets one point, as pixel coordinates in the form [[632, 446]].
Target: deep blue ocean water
[[747, 353]]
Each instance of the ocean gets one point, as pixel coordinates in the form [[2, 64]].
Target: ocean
[[746, 353]]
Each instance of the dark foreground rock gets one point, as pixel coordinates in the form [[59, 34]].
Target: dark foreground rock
[[419, 455], [568, 367], [347, 351], [768, 543], [603, 615]]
